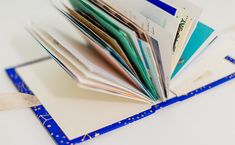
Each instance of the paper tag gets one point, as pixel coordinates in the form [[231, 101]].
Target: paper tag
[[9, 101]]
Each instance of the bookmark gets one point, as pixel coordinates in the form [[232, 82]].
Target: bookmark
[[10, 101]]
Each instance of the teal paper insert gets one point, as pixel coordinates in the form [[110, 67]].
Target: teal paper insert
[[199, 36]]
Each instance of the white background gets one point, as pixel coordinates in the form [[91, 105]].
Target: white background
[[206, 119]]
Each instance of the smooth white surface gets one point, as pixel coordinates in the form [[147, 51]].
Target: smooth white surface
[[206, 119]]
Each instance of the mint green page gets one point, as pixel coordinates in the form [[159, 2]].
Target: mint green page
[[121, 37]]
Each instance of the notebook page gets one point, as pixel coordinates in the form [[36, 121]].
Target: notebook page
[[76, 110]]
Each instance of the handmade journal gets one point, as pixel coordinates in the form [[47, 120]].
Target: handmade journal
[[113, 62]]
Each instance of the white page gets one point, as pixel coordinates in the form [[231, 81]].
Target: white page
[[155, 75], [77, 111], [185, 10], [76, 68], [132, 33], [186, 20], [145, 26], [164, 38], [198, 52], [160, 17], [103, 69], [209, 67], [193, 9], [115, 63], [65, 27]]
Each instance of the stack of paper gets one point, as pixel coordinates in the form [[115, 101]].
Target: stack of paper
[[133, 48], [120, 61]]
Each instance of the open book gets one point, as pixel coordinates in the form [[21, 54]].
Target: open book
[[124, 57], [129, 52]]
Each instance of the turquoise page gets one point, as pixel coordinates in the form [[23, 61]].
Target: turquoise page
[[201, 33]]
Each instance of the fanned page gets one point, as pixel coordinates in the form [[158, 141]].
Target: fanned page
[[205, 69], [131, 51], [185, 19], [87, 67], [193, 9], [112, 59], [158, 24], [77, 110]]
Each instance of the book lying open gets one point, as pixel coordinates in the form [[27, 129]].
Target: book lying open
[[119, 61]]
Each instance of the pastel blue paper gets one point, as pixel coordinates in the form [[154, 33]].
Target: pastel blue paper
[[201, 33]]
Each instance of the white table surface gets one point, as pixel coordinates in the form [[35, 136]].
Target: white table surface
[[206, 119]]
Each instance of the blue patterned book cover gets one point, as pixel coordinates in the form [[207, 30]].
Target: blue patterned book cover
[[60, 137], [129, 54]]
